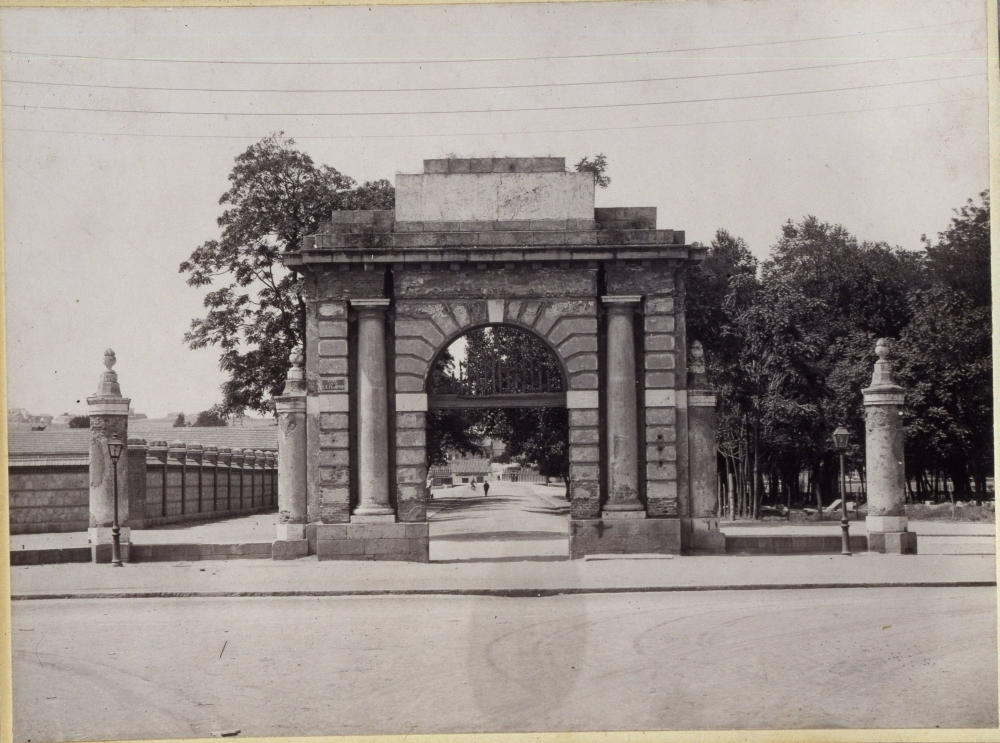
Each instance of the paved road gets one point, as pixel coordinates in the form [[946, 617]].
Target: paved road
[[112, 669], [517, 521]]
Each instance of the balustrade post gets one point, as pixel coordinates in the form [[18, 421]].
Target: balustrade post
[[225, 464]]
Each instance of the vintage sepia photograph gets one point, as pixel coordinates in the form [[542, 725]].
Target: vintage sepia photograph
[[500, 368]]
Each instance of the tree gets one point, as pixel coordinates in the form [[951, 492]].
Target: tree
[[961, 258], [210, 418], [79, 421], [598, 166], [277, 196], [179, 421]]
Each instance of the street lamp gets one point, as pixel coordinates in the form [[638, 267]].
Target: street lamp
[[841, 438], [115, 447]]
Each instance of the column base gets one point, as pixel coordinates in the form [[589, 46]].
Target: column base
[[885, 524], [624, 537], [290, 532], [374, 541], [373, 518], [893, 542], [101, 543]]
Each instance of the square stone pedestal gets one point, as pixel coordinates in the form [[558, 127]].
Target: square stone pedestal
[[702, 537], [101, 543], [893, 542], [366, 541], [291, 542], [624, 537]]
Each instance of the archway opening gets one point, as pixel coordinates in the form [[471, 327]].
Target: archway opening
[[498, 449]]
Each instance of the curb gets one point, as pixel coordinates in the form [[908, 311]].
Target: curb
[[494, 592]]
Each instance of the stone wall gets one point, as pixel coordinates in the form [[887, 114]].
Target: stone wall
[[201, 483], [49, 497]]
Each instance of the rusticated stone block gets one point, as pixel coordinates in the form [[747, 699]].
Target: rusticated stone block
[[333, 421], [661, 416], [333, 329], [660, 380], [661, 453], [583, 453], [659, 305], [332, 366], [585, 417], [568, 326], [657, 471], [660, 342], [583, 381], [584, 436], [582, 472], [660, 361], [660, 324], [333, 348], [578, 344], [411, 437]]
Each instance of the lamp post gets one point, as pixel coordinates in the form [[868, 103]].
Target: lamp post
[[115, 447], [841, 438]]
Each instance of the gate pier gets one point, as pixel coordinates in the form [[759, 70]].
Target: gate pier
[[501, 241]]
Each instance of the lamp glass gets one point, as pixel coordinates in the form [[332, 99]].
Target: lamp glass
[[840, 438], [115, 447]]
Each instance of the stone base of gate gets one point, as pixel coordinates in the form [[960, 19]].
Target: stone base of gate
[[407, 542], [893, 542], [702, 537], [624, 537]]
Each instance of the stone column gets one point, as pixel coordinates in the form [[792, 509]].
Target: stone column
[[622, 450], [886, 521], [108, 418], [373, 414], [291, 410], [703, 523]]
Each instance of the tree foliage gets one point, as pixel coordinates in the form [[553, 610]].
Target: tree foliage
[[210, 418], [598, 166], [79, 421], [255, 311], [790, 345]]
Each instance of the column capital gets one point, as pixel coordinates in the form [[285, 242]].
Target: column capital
[[621, 302], [370, 306]]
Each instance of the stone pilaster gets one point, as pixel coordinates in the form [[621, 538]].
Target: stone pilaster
[[291, 410], [702, 525], [373, 414], [211, 472], [622, 426], [883, 401], [137, 453], [108, 419], [661, 401]]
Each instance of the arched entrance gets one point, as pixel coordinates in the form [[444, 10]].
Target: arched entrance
[[497, 448], [498, 242]]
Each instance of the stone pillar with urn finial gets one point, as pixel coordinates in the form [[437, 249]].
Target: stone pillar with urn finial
[[290, 407], [108, 412], [702, 532], [884, 460]]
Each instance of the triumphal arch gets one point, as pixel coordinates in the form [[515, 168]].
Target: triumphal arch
[[474, 243]]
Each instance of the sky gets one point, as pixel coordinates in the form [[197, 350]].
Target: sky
[[120, 127]]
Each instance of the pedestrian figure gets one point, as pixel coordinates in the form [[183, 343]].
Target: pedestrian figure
[[473, 486], [486, 489]]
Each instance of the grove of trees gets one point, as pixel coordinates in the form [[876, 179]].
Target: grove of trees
[[789, 344]]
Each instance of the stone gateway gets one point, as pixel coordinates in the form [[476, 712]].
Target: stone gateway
[[495, 241]]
